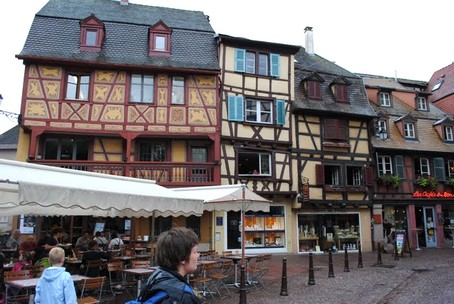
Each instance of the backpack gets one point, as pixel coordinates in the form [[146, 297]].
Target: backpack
[[158, 297]]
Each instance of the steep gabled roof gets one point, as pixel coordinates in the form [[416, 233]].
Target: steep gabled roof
[[126, 43], [9, 139], [445, 78], [305, 65]]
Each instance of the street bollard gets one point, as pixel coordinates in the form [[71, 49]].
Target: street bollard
[[330, 265], [311, 270], [284, 291], [396, 252], [243, 285], [379, 262], [360, 256], [346, 268]]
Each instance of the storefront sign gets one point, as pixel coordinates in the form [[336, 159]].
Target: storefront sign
[[432, 194], [305, 190]]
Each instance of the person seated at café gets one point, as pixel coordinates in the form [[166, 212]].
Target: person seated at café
[[101, 239], [14, 240], [93, 254], [24, 261], [55, 240], [116, 242], [29, 245], [83, 241]]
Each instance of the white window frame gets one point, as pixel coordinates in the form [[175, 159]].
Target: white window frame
[[384, 165], [254, 106], [381, 127], [450, 165], [422, 103], [385, 99], [448, 133], [263, 165], [356, 176], [424, 166], [409, 130], [178, 90]]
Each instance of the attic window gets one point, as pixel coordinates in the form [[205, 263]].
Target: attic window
[[314, 89], [341, 92], [421, 103], [437, 85], [159, 44], [91, 34]]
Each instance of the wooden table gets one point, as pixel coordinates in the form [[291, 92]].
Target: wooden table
[[139, 273]]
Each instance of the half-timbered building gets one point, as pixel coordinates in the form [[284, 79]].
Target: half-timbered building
[[331, 148], [256, 138], [123, 89]]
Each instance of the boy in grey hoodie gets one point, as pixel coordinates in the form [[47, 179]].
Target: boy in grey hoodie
[[55, 286]]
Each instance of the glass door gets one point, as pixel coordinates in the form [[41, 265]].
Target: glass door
[[429, 227]]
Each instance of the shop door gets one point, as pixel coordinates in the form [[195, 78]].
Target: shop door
[[429, 227]]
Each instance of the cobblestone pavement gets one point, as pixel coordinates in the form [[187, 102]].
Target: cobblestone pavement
[[426, 277]]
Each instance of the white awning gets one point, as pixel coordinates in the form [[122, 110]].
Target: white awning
[[46, 190], [227, 198]]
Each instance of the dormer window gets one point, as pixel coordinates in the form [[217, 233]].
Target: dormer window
[[91, 34], [421, 103], [159, 44], [314, 89], [448, 133], [409, 130], [385, 99], [339, 87], [381, 130]]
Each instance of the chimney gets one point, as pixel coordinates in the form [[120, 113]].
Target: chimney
[[124, 2], [309, 40]]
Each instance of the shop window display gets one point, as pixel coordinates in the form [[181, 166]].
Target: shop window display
[[321, 232]]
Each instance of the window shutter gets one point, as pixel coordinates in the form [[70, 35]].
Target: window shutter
[[275, 60], [280, 112], [235, 110], [335, 129], [439, 169], [399, 162], [319, 174], [343, 129], [240, 60], [368, 176]]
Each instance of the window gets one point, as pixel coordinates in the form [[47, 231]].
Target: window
[[438, 84], [448, 133], [335, 129], [381, 129], [77, 86], [66, 149], [450, 168], [159, 44], [254, 62], [422, 167], [142, 88], [421, 103], [341, 92], [314, 89], [199, 155], [259, 111], [91, 34], [384, 165], [193, 222], [253, 163], [409, 130], [178, 90], [332, 175], [385, 100], [149, 151], [439, 169], [354, 176]]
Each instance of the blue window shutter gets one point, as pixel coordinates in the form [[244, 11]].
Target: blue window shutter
[[240, 60], [399, 160], [280, 112], [439, 168], [275, 59], [235, 110]]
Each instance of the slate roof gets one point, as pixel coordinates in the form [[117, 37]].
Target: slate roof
[[55, 35], [428, 138], [9, 139], [305, 65], [446, 75]]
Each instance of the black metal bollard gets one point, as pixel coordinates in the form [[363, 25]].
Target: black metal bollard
[[284, 291], [311, 270], [360, 256], [396, 252], [243, 285], [330, 265], [346, 268], [379, 261]]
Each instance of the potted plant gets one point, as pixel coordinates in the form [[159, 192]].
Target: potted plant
[[450, 181], [390, 180], [427, 182]]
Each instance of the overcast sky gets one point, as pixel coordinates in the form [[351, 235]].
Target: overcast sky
[[404, 38]]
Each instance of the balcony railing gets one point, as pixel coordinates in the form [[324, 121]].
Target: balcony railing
[[164, 173]]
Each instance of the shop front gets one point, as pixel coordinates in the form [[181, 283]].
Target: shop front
[[333, 230]]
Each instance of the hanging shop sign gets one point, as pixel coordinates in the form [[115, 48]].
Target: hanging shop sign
[[432, 194], [305, 190]]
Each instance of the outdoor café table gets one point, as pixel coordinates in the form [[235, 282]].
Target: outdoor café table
[[72, 265], [237, 259], [139, 273], [32, 282], [124, 258]]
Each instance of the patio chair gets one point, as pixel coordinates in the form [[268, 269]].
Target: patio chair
[[15, 295], [117, 279], [92, 289], [140, 264], [255, 272], [219, 274], [202, 281], [93, 268]]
